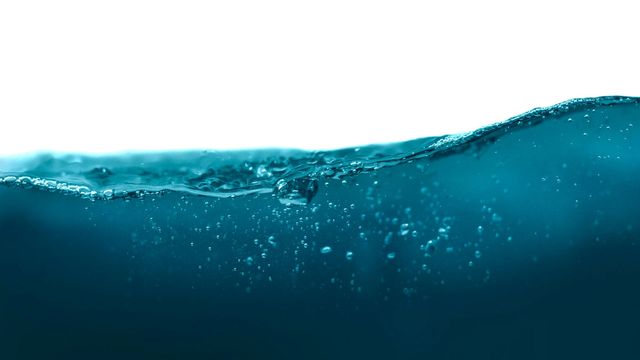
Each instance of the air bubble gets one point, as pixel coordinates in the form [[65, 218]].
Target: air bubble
[[388, 238], [272, 241], [262, 172], [430, 248], [404, 229], [296, 191]]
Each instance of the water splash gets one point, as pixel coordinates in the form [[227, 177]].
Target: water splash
[[291, 175]]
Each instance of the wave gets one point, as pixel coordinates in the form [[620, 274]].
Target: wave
[[291, 175]]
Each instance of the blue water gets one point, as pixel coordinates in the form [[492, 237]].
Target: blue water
[[518, 240]]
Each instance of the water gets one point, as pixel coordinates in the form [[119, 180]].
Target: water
[[518, 240]]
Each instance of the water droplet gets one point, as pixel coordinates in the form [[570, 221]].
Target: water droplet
[[480, 230], [349, 255], [391, 255], [478, 254], [326, 250]]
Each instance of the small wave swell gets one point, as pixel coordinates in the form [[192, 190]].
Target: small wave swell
[[291, 175]]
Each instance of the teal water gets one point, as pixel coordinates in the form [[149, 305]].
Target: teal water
[[517, 240]]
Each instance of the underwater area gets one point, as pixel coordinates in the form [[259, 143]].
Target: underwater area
[[520, 240]]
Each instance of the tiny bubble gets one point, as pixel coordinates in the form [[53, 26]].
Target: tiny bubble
[[404, 229]]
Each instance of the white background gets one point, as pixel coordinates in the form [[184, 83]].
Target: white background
[[149, 75]]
